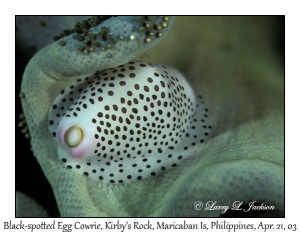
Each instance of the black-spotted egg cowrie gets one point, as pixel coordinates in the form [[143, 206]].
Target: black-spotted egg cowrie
[[128, 123]]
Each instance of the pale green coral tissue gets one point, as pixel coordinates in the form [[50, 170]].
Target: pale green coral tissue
[[243, 160]]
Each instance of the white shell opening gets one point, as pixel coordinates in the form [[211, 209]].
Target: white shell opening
[[73, 136]]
